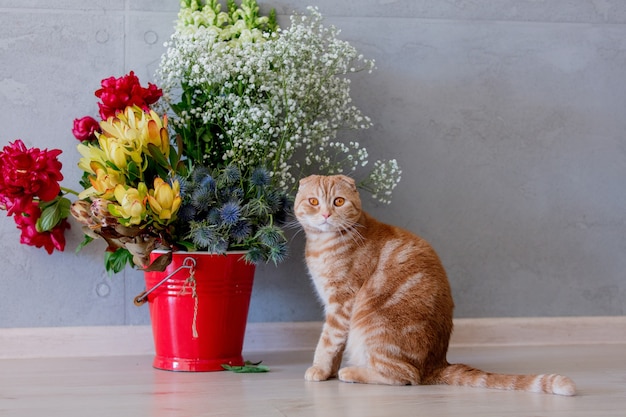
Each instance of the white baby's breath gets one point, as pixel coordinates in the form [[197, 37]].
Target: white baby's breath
[[275, 98]]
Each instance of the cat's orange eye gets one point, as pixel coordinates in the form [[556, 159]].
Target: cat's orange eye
[[314, 201], [339, 201]]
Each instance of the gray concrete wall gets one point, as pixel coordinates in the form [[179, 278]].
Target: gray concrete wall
[[508, 118]]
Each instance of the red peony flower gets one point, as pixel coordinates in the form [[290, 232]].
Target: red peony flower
[[85, 128], [28, 173], [118, 93], [14, 204], [27, 222]]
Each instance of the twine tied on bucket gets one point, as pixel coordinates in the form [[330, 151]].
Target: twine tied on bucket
[[190, 283]]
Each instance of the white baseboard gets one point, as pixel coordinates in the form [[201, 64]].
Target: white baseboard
[[529, 331], [137, 340]]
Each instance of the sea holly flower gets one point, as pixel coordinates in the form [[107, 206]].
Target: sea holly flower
[[164, 200], [85, 128], [131, 207], [230, 213], [260, 177]]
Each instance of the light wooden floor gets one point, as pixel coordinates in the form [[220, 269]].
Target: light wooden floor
[[128, 386]]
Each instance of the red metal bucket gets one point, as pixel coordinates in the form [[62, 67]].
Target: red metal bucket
[[199, 324]]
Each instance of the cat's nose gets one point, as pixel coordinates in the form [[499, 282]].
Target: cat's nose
[[325, 215]]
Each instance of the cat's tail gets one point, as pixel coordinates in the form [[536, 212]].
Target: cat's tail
[[459, 374]]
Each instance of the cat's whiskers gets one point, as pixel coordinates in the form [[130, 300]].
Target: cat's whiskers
[[350, 229], [293, 225]]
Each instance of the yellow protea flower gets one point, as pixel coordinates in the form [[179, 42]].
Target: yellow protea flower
[[90, 154], [156, 133], [164, 200], [103, 183], [139, 128], [131, 208], [124, 140], [106, 181], [121, 142]]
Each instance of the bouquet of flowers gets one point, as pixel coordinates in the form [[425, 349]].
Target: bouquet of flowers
[[142, 193], [209, 158]]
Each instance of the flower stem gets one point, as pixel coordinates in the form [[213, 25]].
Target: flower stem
[[69, 191]]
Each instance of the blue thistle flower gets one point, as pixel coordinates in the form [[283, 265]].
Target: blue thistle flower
[[260, 177], [214, 217], [274, 201], [219, 245], [199, 172], [208, 183], [230, 213], [202, 235], [231, 174], [270, 235], [201, 198], [278, 252], [187, 213], [241, 230], [236, 193], [255, 255]]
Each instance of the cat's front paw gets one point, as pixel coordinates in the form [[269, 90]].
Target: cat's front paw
[[316, 374]]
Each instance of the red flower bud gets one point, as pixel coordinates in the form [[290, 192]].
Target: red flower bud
[[85, 128]]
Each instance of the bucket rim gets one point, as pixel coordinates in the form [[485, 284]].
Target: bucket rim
[[230, 252]]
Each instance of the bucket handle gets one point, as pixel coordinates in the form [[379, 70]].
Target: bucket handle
[[188, 263]]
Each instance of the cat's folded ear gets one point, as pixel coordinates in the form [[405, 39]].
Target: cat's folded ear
[[348, 180], [308, 179]]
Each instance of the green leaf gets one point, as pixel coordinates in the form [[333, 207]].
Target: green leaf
[[174, 157], [45, 204], [161, 171], [247, 368], [64, 206], [190, 247], [133, 171], [86, 240], [158, 155], [114, 262], [53, 213], [111, 165]]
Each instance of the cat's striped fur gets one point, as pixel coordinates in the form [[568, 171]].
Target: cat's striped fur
[[387, 299]]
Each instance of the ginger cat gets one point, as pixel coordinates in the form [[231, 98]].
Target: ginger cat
[[387, 299]]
